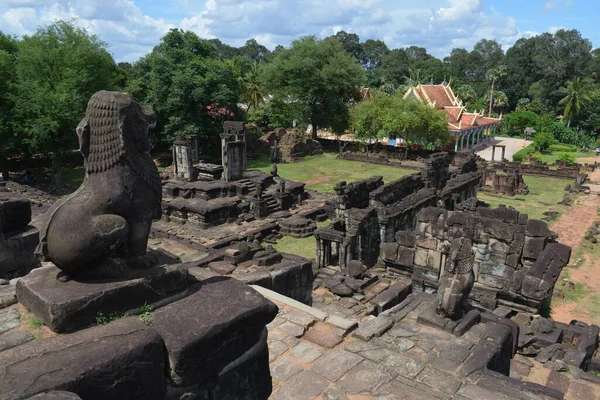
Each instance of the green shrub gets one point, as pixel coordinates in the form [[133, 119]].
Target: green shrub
[[543, 141], [569, 158], [569, 148], [519, 155]]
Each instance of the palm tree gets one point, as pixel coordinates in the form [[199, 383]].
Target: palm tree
[[252, 91], [492, 75], [575, 98]]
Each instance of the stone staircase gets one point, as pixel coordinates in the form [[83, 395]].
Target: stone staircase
[[272, 204], [248, 187]]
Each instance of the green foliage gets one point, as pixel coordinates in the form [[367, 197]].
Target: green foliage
[[101, 319], [569, 158], [543, 140], [524, 152], [57, 70], [514, 124], [575, 98], [146, 313], [563, 147], [319, 77], [191, 90], [387, 116], [566, 135], [35, 323]]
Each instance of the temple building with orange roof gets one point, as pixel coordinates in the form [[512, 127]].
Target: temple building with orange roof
[[468, 129]]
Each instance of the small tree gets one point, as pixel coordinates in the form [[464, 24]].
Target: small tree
[[575, 98], [543, 140]]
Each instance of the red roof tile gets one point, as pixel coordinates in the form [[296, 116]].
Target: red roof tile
[[438, 96]]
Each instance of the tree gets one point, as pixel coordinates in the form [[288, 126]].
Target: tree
[[393, 68], [252, 87], [514, 124], [350, 42], [466, 93], [575, 98], [58, 69], [492, 75], [190, 88], [388, 116], [8, 57], [254, 51], [543, 140], [319, 76]]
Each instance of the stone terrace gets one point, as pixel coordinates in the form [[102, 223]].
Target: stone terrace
[[314, 355]]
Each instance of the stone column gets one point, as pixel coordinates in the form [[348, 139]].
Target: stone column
[[493, 152], [503, 152]]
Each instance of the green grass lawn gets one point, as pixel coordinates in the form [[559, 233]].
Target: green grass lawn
[[543, 195], [322, 172], [551, 157]]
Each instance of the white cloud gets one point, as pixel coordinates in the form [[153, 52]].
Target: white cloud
[[438, 25], [554, 29], [121, 23], [551, 5]]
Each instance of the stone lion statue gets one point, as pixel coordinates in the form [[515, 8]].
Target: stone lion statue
[[458, 278], [111, 213]]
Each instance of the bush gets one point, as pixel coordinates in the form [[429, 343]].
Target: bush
[[519, 155], [563, 147], [566, 135], [514, 124], [569, 158], [543, 141]]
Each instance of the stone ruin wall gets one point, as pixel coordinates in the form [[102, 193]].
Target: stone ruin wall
[[506, 181], [517, 260], [396, 205]]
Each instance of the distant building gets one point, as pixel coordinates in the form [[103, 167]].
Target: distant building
[[468, 128]]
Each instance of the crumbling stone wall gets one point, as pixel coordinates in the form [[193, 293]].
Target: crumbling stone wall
[[537, 168], [507, 181], [354, 194], [517, 260], [293, 144]]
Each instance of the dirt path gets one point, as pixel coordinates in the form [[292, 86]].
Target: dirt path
[[571, 228], [573, 223]]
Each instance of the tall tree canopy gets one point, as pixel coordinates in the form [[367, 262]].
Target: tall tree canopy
[[57, 70], [320, 77], [190, 88]]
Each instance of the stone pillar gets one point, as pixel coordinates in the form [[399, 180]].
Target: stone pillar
[[493, 152], [319, 253], [503, 153], [326, 252]]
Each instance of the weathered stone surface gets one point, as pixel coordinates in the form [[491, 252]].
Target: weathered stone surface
[[541, 277], [67, 306], [365, 377], [373, 327], [8, 295], [12, 339], [439, 380], [336, 364], [211, 328], [121, 360], [284, 368], [305, 385], [9, 319], [59, 395], [305, 352], [300, 318], [325, 335], [403, 365], [292, 328]]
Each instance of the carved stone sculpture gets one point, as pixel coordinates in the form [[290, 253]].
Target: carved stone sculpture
[[457, 280], [111, 213]]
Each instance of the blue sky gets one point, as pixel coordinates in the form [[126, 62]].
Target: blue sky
[[133, 27]]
